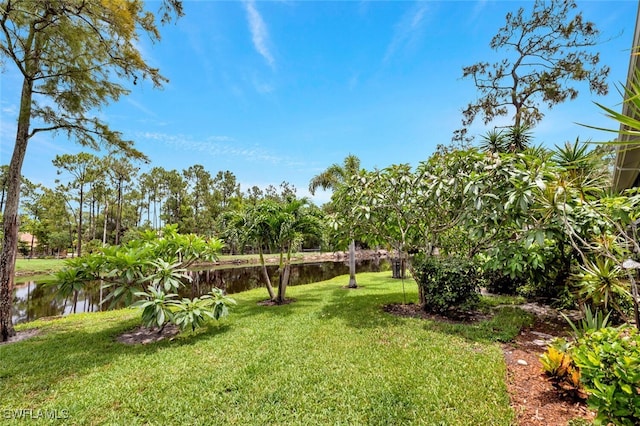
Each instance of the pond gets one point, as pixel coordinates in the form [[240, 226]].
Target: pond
[[33, 300]]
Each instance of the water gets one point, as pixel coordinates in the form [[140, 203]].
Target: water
[[36, 300]]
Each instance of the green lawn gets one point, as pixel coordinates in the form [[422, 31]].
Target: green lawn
[[332, 357], [38, 265]]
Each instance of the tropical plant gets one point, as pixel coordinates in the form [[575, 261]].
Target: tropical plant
[[194, 312], [603, 283], [493, 141], [560, 368], [70, 281], [591, 321], [609, 362], [336, 177], [291, 223], [518, 138], [279, 227], [151, 269], [156, 307]]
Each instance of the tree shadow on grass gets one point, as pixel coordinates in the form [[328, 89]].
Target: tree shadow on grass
[[503, 326], [359, 309], [261, 306], [54, 355]]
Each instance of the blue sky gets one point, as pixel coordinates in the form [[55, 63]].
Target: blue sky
[[279, 90]]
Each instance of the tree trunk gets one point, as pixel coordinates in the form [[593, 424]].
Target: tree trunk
[[10, 224], [75, 300], [79, 247], [265, 274], [352, 265], [282, 284], [104, 225], [118, 211]]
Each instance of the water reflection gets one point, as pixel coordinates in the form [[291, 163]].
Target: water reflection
[[33, 300]]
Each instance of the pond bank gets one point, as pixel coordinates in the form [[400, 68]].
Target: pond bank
[[31, 267], [306, 257]]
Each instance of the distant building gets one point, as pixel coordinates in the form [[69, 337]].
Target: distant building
[[27, 239]]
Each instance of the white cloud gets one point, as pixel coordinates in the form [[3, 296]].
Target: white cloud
[[408, 29], [261, 87], [217, 146], [140, 107], [259, 33], [477, 10]]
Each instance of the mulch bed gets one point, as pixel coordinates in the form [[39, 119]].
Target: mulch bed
[[144, 335]]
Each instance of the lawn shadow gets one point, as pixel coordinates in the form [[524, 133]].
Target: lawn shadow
[[503, 326], [360, 309], [53, 355], [262, 306]]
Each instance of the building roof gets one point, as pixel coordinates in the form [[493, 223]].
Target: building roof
[[27, 238], [627, 167]]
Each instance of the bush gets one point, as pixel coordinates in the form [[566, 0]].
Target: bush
[[447, 283], [560, 368], [609, 362]]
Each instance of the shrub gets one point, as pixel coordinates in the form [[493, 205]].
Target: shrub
[[195, 312], [609, 362], [560, 368], [156, 307], [447, 283]]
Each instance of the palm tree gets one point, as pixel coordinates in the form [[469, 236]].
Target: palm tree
[[253, 225], [334, 176], [292, 222]]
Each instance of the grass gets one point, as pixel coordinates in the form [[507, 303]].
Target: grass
[[331, 357], [40, 266]]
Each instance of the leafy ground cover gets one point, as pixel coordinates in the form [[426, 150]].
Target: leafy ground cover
[[334, 356]]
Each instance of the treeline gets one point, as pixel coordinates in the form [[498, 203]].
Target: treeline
[[106, 200]]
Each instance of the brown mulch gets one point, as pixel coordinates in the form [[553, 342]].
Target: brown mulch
[[533, 398], [271, 302], [144, 335], [21, 335]]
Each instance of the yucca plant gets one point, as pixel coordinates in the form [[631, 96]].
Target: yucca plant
[[494, 141]]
